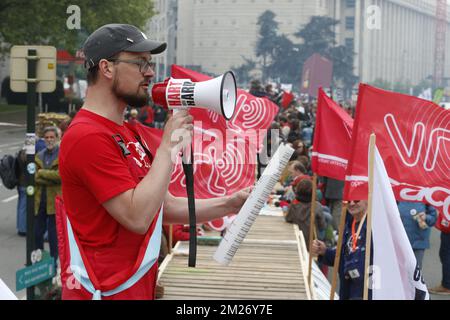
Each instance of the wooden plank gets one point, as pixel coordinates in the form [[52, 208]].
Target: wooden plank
[[303, 261], [266, 266]]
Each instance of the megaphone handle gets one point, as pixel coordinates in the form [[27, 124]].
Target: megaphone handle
[[186, 153], [188, 168]]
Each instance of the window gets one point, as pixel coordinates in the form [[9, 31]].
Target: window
[[350, 43], [350, 3], [349, 23]]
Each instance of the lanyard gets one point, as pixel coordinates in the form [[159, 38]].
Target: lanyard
[[355, 236]]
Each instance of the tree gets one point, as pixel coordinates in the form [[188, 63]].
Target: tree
[[44, 22], [267, 40], [319, 37], [242, 72], [285, 63], [382, 84], [342, 57]]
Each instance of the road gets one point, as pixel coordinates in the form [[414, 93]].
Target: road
[[13, 247]]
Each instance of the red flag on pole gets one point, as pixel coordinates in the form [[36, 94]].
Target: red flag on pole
[[287, 99], [224, 151], [413, 135], [332, 139]]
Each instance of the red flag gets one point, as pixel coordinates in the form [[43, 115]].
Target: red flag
[[224, 151], [413, 138], [332, 139], [287, 99]]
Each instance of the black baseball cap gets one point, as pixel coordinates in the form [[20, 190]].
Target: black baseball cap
[[113, 38]]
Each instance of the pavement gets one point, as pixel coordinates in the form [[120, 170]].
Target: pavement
[[13, 247]]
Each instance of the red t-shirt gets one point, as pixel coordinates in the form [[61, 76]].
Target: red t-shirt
[[93, 170]]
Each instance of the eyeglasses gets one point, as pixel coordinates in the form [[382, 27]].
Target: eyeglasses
[[143, 64]]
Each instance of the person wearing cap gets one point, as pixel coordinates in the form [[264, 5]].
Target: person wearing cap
[[351, 266], [115, 177]]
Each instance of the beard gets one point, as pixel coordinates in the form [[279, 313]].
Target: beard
[[136, 99]]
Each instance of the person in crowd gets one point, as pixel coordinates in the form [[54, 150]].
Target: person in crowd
[[48, 185], [21, 163], [300, 211], [160, 115], [352, 260], [133, 119], [295, 132], [418, 218], [333, 195], [257, 89], [146, 116], [300, 149], [285, 127], [444, 255]]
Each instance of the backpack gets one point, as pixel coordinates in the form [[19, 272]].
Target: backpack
[[8, 171]]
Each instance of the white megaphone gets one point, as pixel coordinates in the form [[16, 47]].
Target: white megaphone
[[218, 94]]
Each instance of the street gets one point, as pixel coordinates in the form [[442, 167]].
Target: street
[[12, 246]]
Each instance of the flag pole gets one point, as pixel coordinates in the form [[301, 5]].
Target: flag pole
[[337, 258], [369, 216], [170, 238], [312, 226]]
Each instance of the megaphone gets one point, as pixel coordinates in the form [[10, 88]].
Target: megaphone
[[218, 94]]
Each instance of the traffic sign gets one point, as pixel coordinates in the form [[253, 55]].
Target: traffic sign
[[35, 274], [45, 78]]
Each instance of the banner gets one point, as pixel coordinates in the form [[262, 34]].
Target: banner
[[288, 97], [396, 274], [317, 72], [332, 139], [224, 151], [413, 136]]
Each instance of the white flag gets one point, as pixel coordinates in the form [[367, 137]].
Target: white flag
[[395, 274]]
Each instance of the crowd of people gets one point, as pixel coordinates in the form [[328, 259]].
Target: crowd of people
[[295, 124], [114, 200]]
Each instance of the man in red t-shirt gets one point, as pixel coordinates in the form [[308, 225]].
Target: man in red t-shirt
[[115, 179]]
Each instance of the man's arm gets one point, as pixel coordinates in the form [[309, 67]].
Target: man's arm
[[136, 208], [52, 175], [176, 209]]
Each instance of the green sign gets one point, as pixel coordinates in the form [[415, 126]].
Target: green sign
[[438, 95], [35, 274]]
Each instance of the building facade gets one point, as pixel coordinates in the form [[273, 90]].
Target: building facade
[[218, 34], [163, 27], [393, 40]]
